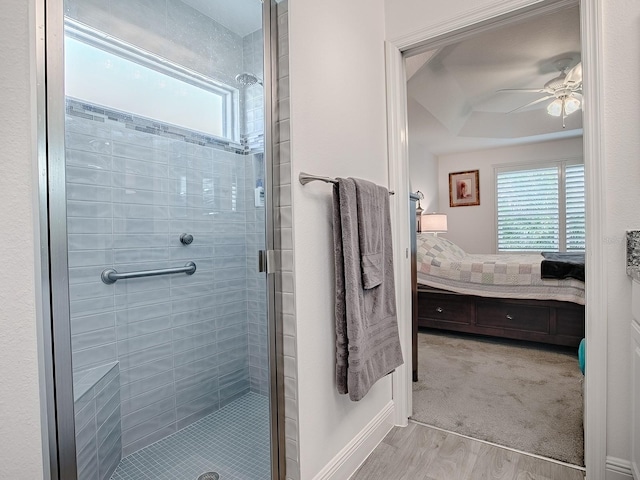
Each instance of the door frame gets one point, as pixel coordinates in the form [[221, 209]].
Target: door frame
[[53, 326], [475, 20]]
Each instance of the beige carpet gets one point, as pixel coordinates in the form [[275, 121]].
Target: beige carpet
[[514, 394]]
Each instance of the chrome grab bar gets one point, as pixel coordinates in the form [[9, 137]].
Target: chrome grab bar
[[110, 275]]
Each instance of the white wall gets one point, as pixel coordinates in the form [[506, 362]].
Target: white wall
[[338, 113], [621, 51], [423, 165], [474, 228], [20, 432], [621, 67], [338, 128]]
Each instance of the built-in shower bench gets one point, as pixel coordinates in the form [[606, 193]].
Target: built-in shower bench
[[96, 398]]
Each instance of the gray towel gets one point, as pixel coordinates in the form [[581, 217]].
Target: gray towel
[[367, 339], [371, 201]]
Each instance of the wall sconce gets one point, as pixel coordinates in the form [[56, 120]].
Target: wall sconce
[[434, 223], [419, 211]]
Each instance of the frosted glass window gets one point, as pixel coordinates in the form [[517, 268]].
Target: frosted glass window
[[103, 78]]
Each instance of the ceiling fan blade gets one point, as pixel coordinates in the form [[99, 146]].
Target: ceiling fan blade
[[518, 90], [574, 76], [532, 103]]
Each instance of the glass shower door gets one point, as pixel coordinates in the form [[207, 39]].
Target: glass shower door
[[165, 185]]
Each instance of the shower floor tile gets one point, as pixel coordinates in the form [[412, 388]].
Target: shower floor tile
[[234, 441]]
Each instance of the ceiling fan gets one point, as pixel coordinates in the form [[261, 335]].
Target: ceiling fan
[[565, 89]]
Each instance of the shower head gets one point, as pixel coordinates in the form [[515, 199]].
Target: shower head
[[247, 79]]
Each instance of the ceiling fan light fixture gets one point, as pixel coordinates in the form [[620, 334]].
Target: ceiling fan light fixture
[[566, 88], [571, 104], [555, 108]]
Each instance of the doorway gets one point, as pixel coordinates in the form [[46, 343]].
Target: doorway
[[479, 120], [440, 35], [159, 166]]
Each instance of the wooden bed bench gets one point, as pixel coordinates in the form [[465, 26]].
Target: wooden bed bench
[[545, 321]]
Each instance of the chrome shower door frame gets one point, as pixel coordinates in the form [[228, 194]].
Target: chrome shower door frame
[[54, 329], [276, 355]]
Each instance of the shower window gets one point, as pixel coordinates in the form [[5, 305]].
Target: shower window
[[105, 71]]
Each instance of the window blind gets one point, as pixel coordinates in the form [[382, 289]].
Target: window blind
[[528, 210], [574, 188], [541, 209]]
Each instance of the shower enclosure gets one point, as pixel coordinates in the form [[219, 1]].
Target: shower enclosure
[[159, 187]]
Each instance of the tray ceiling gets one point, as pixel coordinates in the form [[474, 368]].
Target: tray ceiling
[[452, 91]]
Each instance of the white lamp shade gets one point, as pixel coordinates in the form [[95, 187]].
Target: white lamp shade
[[571, 104], [567, 104], [434, 222], [555, 108]]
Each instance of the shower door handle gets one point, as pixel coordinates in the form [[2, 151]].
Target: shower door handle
[[267, 261], [262, 261]]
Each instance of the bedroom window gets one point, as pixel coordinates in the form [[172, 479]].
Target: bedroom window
[[541, 209]]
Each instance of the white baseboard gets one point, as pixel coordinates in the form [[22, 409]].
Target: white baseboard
[[347, 461], [618, 469]]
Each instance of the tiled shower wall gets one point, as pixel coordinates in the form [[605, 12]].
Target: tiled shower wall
[[285, 303], [131, 194], [181, 341], [97, 420], [252, 107], [252, 98]]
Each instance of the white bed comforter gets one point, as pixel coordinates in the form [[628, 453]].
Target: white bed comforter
[[442, 264]]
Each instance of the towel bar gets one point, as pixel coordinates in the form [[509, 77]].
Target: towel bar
[[306, 178]]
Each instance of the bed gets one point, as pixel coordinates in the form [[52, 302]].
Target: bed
[[441, 264], [497, 295]]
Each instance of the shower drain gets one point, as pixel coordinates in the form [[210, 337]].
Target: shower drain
[[209, 476]]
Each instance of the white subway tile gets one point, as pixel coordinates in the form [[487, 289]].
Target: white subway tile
[[80, 158], [136, 167], [89, 209], [87, 176], [89, 225], [87, 143], [88, 192], [137, 152]]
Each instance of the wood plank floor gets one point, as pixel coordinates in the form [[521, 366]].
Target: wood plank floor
[[418, 452]]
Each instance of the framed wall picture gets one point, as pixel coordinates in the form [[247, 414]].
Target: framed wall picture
[[464, 188]]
